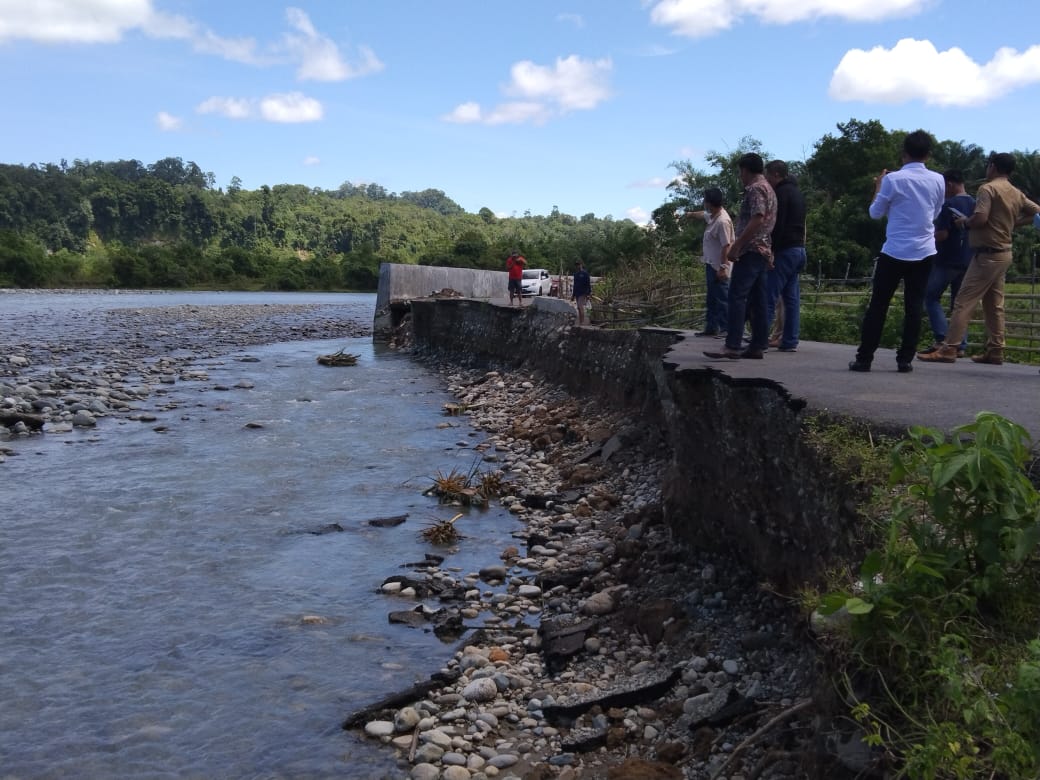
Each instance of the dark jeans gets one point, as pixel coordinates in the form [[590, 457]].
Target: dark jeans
[[888, 273], [747, 299], [716, 309], [783, 283], [938, 280]]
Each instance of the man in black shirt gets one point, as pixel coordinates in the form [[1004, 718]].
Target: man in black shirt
[[788, 253]]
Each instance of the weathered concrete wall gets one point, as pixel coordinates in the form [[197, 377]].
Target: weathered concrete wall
[[743, 477], [400, 282]]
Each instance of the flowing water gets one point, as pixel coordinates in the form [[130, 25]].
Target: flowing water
[[153, 586]]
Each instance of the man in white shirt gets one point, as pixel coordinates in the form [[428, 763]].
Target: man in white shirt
[[911, 198], [717, 239]]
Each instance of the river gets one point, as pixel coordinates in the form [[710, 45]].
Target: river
[[164, 610]]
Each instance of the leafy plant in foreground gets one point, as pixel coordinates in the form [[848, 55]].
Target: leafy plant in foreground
[[944, 614]]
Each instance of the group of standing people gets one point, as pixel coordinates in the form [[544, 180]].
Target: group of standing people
[[752, 270], [937, 235]]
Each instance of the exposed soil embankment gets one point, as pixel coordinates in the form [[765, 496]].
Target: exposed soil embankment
[[742, 476]]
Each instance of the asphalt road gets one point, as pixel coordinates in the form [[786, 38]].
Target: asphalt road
[[936, 395]]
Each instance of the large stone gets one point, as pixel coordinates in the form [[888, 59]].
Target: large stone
[[425, 771], [483, 689], [601, 603], [379, 728], [406, 719]]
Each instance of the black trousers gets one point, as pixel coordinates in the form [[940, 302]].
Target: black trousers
[[887, 276]]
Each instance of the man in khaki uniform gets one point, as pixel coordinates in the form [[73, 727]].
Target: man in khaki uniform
[[999, 208]]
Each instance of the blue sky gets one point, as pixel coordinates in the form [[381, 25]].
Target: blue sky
[[518, 106]]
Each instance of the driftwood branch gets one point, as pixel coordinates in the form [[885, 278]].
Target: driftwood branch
[[416, 692], [769, 725]]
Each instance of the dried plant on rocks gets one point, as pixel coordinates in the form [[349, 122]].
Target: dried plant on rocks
[[442, 531], [491, 484], [472, 487], [340, 358], [449, 487]]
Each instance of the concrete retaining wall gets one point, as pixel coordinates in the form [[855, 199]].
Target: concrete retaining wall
[[743, 477]]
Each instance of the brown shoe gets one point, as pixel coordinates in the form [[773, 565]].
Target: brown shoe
[[988, 357], [944, 354]]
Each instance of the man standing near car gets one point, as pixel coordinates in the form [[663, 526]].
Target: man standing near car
[[515, 267], [582, 290]]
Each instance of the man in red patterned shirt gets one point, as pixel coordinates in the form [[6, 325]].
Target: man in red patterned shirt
[[752, 256]]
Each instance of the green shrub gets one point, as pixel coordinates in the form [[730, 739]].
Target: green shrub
[[945, 613]]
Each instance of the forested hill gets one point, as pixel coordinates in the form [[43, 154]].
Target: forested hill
[[125, 224]]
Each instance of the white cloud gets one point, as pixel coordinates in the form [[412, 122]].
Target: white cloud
[[310, 160], [168, 122], [71, 21], [464, 114], [232, 108], [162, 26], [291, 107], [319, 57], [638, 214], [703, 18], [316, 57], [571, 84], [916, 70], [107, 21]]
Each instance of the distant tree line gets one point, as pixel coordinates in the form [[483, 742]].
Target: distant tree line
[[126, 224]]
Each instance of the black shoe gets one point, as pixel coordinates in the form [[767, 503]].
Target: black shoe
[[706, 333], [752, 354], [904, 368], [859, 365], [725, 354]]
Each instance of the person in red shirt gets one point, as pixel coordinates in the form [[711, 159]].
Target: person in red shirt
[[515, 266]]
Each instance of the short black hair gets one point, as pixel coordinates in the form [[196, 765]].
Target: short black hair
[[918, 145], [714, 197], [953, 176], [1003, 162], [777, 168], [751, 162]]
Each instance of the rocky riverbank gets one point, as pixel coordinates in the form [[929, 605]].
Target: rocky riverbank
[[603, 649], [126, 362], [600, 647]]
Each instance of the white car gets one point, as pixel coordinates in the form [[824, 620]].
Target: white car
[[536, 281]]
